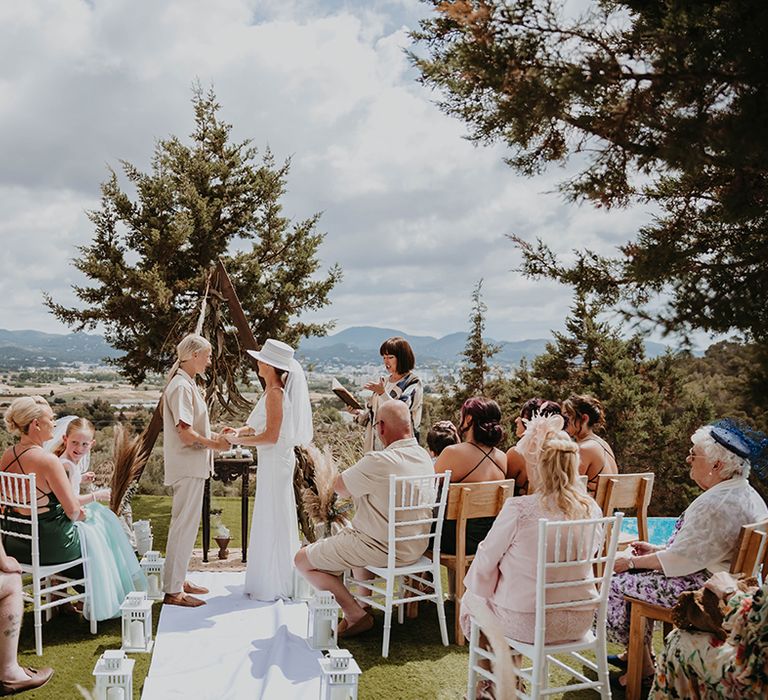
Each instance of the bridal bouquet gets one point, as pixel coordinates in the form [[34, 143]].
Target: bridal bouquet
[[320, 501]]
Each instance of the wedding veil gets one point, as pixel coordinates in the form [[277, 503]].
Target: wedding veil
[[298, 428]]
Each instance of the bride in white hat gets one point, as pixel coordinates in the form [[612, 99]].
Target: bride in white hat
[[281, 420]]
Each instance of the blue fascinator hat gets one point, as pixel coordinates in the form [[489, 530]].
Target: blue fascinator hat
[[740, 438]]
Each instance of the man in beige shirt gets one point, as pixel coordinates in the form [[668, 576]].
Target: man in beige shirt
[[365, 542], [188, 445]]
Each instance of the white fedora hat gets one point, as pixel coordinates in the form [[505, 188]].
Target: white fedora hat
[[275, 353]]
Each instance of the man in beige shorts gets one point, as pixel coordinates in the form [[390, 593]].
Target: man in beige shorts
[[365, 542]]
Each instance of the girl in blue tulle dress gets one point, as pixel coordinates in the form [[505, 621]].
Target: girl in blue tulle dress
[[113, 568]]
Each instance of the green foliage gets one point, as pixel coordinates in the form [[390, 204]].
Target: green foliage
[[477, 353], [651, 411], [662, 102], [151, 255]]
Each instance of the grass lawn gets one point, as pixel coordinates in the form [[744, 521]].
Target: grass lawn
[[419, 667]]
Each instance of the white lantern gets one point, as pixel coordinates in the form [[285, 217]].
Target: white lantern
[[143, 531], [340, 675], [153, 565], [323, 621], [137, 622], [302, 589], [114, 676]]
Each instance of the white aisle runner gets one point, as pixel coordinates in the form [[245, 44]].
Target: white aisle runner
[[233, 648]]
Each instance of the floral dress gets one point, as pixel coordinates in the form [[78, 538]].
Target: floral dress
[[699, 665], [652, 586]]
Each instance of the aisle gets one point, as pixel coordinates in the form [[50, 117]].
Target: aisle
[[232, 648]]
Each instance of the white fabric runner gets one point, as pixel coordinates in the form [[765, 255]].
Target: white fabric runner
[[232, 648]]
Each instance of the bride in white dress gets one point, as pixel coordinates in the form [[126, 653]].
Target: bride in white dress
[[281, 420]]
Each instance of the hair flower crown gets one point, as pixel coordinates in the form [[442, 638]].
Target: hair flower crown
[[537, 429]]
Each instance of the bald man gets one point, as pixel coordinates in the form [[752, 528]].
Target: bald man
[[365, 542]]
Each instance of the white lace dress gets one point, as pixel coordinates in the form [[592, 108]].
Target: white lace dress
[[274, 538]]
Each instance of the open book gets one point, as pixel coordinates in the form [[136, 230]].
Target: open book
[[344, 395]]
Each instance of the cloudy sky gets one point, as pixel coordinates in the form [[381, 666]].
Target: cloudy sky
[[413, 212]]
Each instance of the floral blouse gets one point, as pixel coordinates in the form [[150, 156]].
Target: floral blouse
[[698, 665]]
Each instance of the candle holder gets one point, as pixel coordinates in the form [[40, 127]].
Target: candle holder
[[114, 676], [323, 621], [223, 543], [340, 675], [153, 566], [137, 622]]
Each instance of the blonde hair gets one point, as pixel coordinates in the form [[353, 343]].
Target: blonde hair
[[558, 475], [22, 412], [187, 347], [75, 424]]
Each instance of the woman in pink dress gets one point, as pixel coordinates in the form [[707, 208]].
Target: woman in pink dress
[[503, 573]]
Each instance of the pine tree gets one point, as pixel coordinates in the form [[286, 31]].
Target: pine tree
[[660, 102], [475, 366], [152, 253]]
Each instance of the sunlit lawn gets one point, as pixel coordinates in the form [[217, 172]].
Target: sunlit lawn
[[418, 667]]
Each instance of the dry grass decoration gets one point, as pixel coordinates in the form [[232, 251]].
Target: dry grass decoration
[[129, 458], [321, 505]]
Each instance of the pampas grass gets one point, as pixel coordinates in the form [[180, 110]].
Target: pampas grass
[[129, 459], [319, 500]]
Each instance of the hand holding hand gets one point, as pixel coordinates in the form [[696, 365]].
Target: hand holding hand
[[9, 565], [88, 477], [223, 441], [227, 430]]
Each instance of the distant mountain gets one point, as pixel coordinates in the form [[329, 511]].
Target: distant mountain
[[36, 349], [357, 345], [360, 345]]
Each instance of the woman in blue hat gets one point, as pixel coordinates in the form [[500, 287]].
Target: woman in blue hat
[[705, 536]]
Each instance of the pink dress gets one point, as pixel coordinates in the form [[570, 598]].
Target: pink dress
[[503, 574]]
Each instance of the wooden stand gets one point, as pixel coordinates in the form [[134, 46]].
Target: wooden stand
[[226, 471]]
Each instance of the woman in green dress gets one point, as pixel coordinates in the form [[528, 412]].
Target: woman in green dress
[[31, 419]]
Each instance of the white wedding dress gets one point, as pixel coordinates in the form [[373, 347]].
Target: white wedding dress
[[274, 538]]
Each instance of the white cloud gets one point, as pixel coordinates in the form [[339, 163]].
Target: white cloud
[[414, 213]]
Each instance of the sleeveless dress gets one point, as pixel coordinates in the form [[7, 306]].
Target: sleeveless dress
[[74, 472], [477, 528], [274, 538], [114, 570]]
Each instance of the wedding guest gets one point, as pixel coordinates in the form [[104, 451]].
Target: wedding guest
[[516, 468], [441, 435], [585, 414], [475, 459], [114, 570], [72, 442], [364, 543], [402, 384], [503, 572], [14, 678], [704, 539], [188, 445], [31, 419]]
